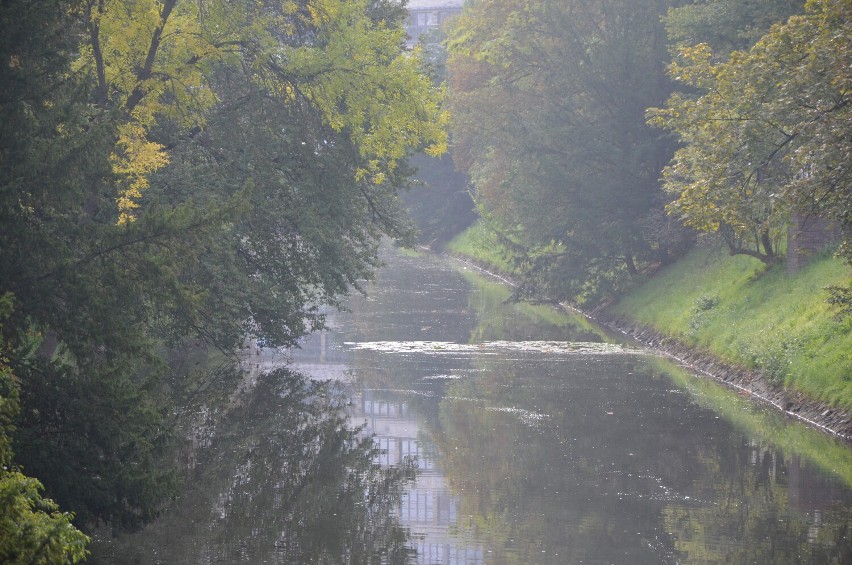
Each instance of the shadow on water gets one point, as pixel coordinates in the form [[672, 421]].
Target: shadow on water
[[279, 476]]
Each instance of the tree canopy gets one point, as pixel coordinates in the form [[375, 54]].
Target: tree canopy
[[726, 25], [548, 103], [32, 529], [768, 132], [175, 174]]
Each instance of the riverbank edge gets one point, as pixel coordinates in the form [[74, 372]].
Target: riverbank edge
[[748, 382]]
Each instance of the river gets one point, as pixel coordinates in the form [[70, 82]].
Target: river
[[436, 423]]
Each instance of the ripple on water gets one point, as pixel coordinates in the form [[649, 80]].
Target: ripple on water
[[496, 347]]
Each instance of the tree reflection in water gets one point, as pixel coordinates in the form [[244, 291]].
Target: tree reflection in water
[[282, 478]]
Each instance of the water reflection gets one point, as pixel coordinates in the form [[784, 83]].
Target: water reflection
[[594, 457], [283, 478], [427, 509], [471, 450]]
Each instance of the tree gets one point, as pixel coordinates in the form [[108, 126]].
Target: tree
[[153, 60], [727, 25], [184, 172], [548, 101], [32, 529], [769, 133]]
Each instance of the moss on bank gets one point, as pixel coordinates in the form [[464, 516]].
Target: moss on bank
[[736, 309]]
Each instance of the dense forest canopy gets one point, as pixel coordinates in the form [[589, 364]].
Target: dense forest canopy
[[178, 174], [566, 115]]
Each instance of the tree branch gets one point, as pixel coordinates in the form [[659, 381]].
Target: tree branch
[[145, 72], [94, 37]]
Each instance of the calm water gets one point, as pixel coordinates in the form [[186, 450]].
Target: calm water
[[458, 429]]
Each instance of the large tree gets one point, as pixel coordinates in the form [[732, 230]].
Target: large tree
[[548, 104], [769, 133], [726, 25], [174, 172]]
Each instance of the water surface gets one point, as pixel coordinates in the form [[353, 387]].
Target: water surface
[[461, 429]]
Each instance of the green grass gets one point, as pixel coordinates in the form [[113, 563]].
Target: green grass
[[765, 319], [481, 244]]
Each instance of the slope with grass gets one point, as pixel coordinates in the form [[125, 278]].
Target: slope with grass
[[481, 245], [765, 319], [735, 310]]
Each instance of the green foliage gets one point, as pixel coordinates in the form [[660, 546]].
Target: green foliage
[[175, 172], [766, 319], [700, 311], [548, 103], [841, 298], [32, 529], [103, 457], [727, 25], [768, 134]]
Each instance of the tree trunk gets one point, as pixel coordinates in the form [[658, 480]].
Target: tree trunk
[[767, 245], [631, 266]]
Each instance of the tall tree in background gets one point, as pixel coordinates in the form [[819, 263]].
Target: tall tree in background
[[726, 25], [173, 172], [548, 104], [769, 133]]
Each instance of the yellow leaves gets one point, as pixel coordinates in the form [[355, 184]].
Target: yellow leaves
[[155, 57], [322, 11], [767, 114], [154, 65], [356, 76], [694, 65], [133, 160]]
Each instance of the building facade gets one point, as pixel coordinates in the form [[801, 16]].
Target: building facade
[[426, 15]]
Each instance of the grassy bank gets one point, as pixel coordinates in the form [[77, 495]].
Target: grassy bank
[[761, 318], [481, 244], [737, 310]]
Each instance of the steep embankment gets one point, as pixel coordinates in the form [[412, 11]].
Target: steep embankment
[[764, 331], [773, 332]]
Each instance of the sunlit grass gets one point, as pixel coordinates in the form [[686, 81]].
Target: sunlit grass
[[766, 319], [481, 244]]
